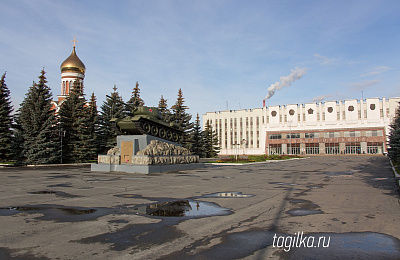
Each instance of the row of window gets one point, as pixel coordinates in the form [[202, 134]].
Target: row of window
[[328, 134], [310, 111], [351, 148]]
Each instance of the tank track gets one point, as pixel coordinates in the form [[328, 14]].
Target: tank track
[[146, 127]]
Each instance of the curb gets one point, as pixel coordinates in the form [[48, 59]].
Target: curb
[[269, 161], [396, 175], [48, 165]]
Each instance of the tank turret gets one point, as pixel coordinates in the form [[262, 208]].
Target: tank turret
[[145, 120]]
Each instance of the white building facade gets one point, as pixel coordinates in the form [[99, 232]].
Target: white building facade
[[331, 127]]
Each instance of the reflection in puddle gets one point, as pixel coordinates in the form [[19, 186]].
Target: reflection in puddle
[[58, 213], [182, 208], [283, 183], [133, 178], [304, 212], [43, 192], [57, 193], [379, 179], [228, 195], [318, 186]]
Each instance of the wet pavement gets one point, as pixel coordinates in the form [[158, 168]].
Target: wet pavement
[[343, 207]]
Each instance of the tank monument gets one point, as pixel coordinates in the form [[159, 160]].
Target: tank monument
[[146, 144]]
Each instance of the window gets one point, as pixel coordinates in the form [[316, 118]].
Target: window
[[311, 135], [312, 148], [331, 134], [275, 149], [275, 136], [331, 148], [293, 135]]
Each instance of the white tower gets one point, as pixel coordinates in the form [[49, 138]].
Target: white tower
[[72, 69]]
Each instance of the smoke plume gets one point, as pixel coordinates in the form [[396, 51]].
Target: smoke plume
[[295, 74]]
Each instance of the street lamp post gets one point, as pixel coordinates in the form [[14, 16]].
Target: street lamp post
[[62, 133], [290, 137]]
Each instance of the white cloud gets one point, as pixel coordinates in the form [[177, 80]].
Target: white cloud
[[321, 98], [363, 84], [323, 60], [376, 71]]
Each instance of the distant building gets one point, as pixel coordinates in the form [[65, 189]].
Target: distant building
[[332, 127], [72, 69]]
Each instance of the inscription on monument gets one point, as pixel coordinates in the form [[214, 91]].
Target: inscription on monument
[[126, 151]]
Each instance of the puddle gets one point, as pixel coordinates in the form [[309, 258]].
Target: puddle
[[304, 212], [379, 179], [57, 213], [283, 183], [342, 174], [364, 245], [43, 192], [186, 175], [103, 179], [127, 196], [57, 193], [223, 177], [136, 196], [133, 178], [318, 186], [57, 175], [118, 221], [182, 208], [295, 201], [65, 185], [227, 195]]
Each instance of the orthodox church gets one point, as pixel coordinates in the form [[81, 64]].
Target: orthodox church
[[72, 69]]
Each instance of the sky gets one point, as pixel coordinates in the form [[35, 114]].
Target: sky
[[222, 54]]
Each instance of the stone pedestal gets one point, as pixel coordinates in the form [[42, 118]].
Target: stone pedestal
[[146, 154]]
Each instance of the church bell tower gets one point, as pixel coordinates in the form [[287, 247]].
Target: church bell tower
[[72, 69]]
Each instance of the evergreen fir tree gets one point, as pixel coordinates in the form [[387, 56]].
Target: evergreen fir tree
[[109, 109], [17, 145], [135, 100], [163, 108], [210, 142], [394, 138], [197, 139], [75, 123], [5, 121], [39, 126], [94, 127], [182, 118]]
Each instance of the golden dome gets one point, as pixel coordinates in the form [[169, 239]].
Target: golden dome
[[73, 63]]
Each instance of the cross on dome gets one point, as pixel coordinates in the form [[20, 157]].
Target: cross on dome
[[74, 41]]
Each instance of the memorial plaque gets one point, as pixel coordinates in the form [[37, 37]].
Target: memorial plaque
[[126, 151]]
